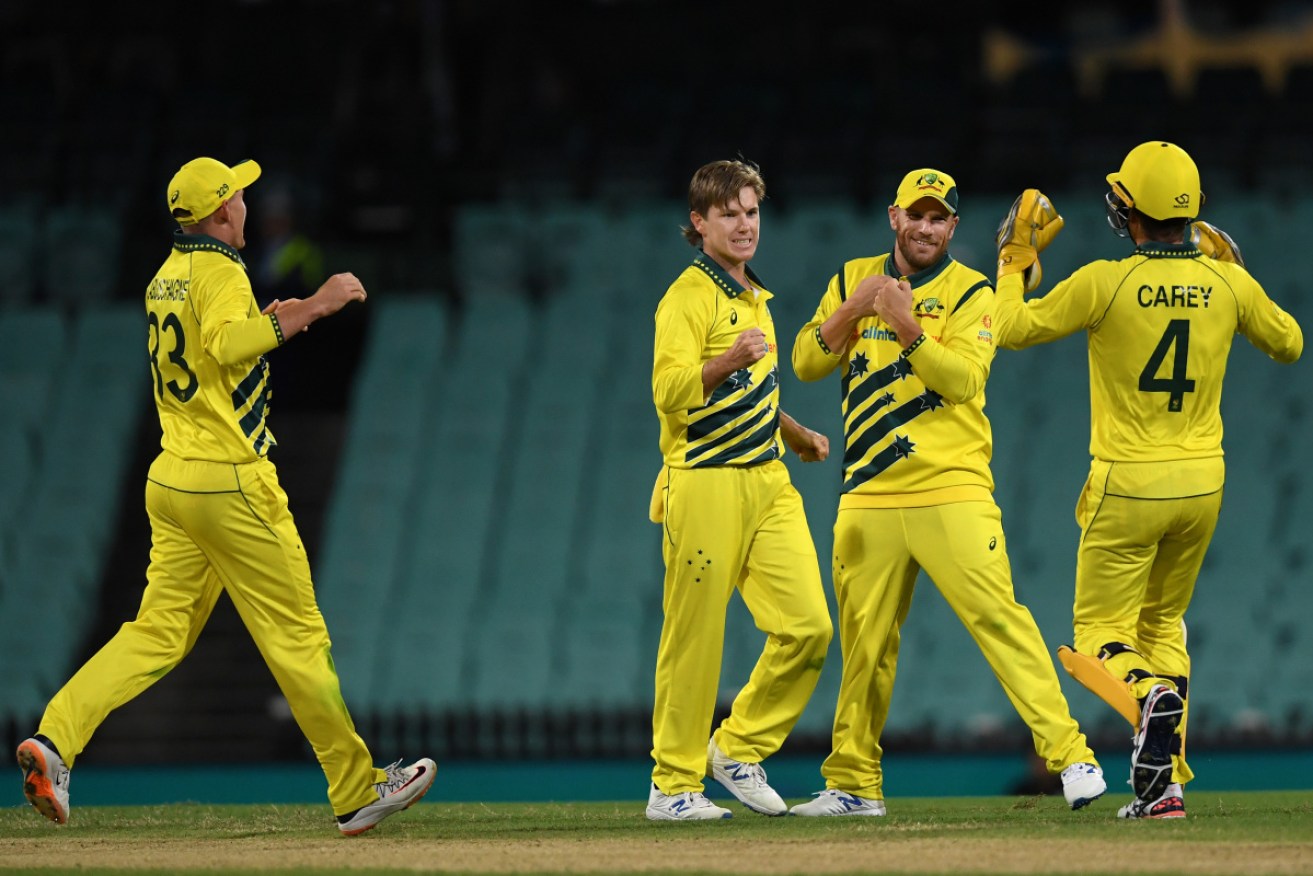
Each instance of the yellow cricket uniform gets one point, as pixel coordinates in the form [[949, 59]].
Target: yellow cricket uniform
[[918, 494], [731, 518], [219, 522], [1160, 325]]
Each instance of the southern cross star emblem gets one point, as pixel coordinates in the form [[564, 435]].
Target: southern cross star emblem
[[902, 368], [740, 379], [858, 366], [903, 447], [930, 400]]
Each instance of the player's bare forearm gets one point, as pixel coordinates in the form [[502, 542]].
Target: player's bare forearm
[[810, 445], [296, 314], [838, 329]]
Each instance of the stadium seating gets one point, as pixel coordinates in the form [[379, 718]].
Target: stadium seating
[[82, 251], [65, 479], [488, 526], [20, 248]]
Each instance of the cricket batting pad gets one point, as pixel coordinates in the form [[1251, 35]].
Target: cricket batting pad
[[1090, 672]]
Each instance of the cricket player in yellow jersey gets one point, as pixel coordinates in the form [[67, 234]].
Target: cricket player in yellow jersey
[[1160, 324], [731, 517], [910, 332], [219, 519]]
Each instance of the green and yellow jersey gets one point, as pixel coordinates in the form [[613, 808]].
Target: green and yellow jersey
[[698, 319], [1160, 325], [915, 431], [207, 341]]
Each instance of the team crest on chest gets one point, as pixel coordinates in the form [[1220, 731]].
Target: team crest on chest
[[928, 308]]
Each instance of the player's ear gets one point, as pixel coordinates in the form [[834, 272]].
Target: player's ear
[[699, 224]]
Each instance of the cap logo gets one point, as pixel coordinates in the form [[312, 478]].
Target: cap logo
[[173, 198], [1183, 199], [929, 181], [222, 190]]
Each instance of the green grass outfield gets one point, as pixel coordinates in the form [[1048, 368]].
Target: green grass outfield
[[1227, 832]]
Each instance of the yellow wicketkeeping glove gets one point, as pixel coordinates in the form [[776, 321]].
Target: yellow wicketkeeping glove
[[1215, 243], [1029, 226]]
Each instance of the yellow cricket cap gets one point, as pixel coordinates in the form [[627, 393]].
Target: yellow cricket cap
[[201, 185], [927, 183]]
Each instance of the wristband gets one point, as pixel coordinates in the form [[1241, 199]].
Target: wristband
[[825, 348]]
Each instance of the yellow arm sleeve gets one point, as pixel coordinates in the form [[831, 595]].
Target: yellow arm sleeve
[[1269, 328], [957, 365], [1067, 308], [232, 329], [681, 331], [812, 357]]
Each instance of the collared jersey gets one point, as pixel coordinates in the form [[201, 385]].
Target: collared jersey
[[915, 431], [206, 342], [1160, 324], [698, 319]]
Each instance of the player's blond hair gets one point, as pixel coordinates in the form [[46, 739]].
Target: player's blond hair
[[715, 185]]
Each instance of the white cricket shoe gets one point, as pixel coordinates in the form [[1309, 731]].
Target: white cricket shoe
[[688, 806], [1170, 805], [400, 790], [45, 779], [1151, 758], [746, 781], [836, 802], [1082, 784]]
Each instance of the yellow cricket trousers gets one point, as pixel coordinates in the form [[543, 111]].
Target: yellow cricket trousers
[[219, 526], [1135, 574], [878, 553], [729, 527]]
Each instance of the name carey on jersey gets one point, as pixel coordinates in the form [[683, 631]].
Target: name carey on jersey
[[1175, 296], [168, 289]]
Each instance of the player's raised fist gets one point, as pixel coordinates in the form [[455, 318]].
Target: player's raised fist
[[750, 346], [339, 290]]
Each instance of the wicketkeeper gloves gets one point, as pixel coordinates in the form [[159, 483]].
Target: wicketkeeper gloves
[[1215, 243], [1030, 225]]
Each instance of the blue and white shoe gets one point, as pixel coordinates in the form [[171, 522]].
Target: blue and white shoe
[[1082, 784], [746, 781], [687, 806], [836, 802]]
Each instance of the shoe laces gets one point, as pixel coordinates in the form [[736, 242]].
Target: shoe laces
[[1078, 771], [397, 776], [750, 773], [689, 800]]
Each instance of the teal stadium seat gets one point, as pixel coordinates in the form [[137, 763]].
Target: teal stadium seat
[[490, 247], [365, 536], [82, 252], [59, 547], [20, 249]]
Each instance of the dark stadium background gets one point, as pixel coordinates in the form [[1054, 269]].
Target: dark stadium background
[[381, 124]]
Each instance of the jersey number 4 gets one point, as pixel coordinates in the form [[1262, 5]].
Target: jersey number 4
[[174, 327], [1178, 335]]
